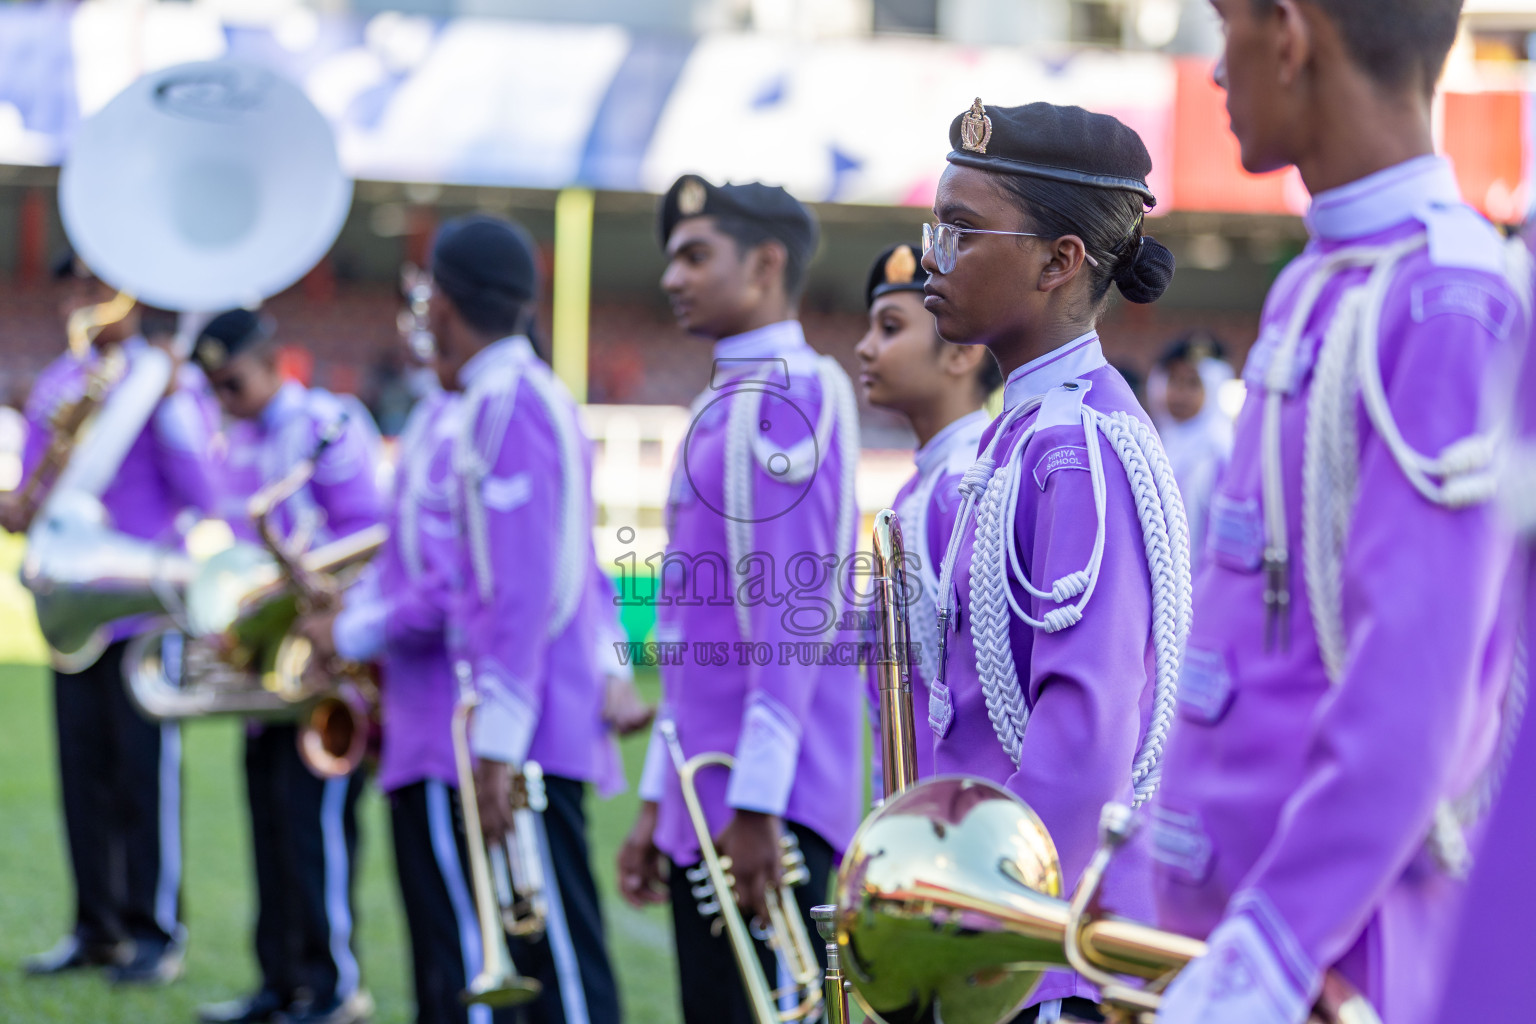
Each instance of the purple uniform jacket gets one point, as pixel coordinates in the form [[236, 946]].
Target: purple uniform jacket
[[762, 671], [338, 501], [422, 607], [926, 506], [1493, 954], [168, 469], [1295, 807], [1088, 687], [342, 497], [397, 612]]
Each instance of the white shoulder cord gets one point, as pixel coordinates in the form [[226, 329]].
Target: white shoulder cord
[[1348, 365], [498, 385], [995, 564], [475, 454], [838, 414], [412, 487], [573, 538]]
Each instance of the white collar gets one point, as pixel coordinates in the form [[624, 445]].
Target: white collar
[[778, 339], [940, 446], [1423, 189], [1073, 360], [508, 350]]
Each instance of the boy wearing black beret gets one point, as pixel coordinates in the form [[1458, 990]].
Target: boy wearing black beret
[[303, 828], [764, 490]]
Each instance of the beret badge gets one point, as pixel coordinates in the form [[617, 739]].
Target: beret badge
[[900, 267], [691, 198], [211, 353], [976, 128]]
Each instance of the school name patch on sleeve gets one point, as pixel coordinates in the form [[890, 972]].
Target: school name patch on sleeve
[[1463, 298], [1066, 456]]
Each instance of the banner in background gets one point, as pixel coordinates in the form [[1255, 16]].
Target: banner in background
[[538, 105]]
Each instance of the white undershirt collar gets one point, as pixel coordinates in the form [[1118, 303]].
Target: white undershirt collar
[[941, 445], [514, 349], [1069, 362]]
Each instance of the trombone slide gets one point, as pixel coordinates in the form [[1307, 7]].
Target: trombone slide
[[898, 735]]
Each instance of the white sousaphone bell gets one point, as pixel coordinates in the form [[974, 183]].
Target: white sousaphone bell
[[198, 188]]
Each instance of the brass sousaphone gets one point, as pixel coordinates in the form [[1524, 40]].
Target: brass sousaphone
[[198, 188]]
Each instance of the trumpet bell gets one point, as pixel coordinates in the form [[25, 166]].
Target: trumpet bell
[[497, 991], [948, 905], [84, 575], [204, 186], [333, 740]]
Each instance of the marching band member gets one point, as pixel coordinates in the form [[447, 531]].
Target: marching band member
[[1494, 944], [1195, 430], [940, 388], [490, 565], [303, 828], [120, 775], [1064, 591], [1341, 689], [761, 521]]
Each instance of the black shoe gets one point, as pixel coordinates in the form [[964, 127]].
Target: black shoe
[[355, 1009], [73, 955], [153, 963], [264, 1006]]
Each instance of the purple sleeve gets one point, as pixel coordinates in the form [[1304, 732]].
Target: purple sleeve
[[182, 428], [505, 626], [345, 485], [1423, 584], [47, 392], [1086, 682], [797, 551]]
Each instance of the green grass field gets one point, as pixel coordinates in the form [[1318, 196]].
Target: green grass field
[[36, 898]]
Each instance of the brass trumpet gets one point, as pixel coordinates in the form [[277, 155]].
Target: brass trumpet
[[949, 899], [712, 887], [517, 863], [498, 983]]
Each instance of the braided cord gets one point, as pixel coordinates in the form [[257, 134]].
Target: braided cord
[[1165, 537], [741, 427], [1348, 366], [990, 623]]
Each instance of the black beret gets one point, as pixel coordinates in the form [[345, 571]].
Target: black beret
[[480, 258], [228, 335], [1046, 141], [779, 214], [897, 269]]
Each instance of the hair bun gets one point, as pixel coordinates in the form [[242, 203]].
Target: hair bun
[[1146, 272]]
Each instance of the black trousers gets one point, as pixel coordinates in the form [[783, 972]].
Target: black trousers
[[120, 780], [304, 840], [571, 961], [708, 977]]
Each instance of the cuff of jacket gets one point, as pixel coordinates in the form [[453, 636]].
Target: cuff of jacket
[[658, 763], [1302, 975], [766, 756], [358, 631], [503, 725]]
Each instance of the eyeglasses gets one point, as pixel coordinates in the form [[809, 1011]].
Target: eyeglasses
[[943, 240]]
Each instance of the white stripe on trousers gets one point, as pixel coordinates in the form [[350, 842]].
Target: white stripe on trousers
[[168, 884], [338, 905], [573, 994], [446, 850]]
